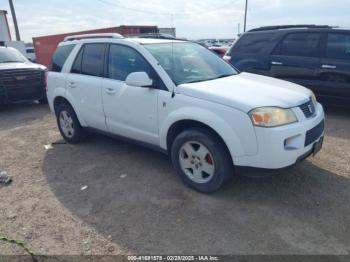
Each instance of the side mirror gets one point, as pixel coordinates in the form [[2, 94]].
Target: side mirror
[[139, 79]]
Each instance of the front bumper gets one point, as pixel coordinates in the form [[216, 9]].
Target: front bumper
[[19, 85], [280, 147]]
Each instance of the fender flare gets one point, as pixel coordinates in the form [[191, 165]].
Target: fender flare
[[208, 118], [60, 92]]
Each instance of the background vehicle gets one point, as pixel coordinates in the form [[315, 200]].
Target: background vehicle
[[181, 98], [317, 57], [154, 36], [20, 79], [31, 54], [219, 50]]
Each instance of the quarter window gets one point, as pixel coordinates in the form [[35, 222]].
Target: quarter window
[[92, 59], [124, 60], [252, 43], [338, 46], [59, 58], [300, 44]]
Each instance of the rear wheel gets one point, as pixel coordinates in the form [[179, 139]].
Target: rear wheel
[[201, 160], [69, 125]]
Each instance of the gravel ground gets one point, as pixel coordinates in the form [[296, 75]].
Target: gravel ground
[[132, 201]]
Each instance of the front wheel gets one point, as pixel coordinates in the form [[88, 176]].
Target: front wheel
[[201, 160]]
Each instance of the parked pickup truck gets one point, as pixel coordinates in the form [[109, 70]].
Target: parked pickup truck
[[183, 99], [20, 79]]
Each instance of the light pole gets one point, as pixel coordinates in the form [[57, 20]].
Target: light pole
[[245, 15], [18, 37]]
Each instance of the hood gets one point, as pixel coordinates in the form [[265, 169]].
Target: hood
[[26, 65], [247, 91]]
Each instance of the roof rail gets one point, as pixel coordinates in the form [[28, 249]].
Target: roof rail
[[153, 35], [266, 28], [87, 36]]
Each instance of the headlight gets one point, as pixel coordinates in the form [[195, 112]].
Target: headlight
[[272, 116], [313, 97]]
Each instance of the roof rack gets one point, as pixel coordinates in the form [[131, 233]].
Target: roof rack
[[87, 36], [266, 28], [152, 35]]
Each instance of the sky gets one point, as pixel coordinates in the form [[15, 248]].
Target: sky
[[193, 19]]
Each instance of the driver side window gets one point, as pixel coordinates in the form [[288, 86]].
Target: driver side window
[[123, 60]]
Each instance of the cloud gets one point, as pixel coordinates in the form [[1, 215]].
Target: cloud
[[192, 18]]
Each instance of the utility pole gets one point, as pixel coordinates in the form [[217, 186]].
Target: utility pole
[[245, 15], [18, 37]]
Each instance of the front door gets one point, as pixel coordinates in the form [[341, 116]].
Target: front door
[[130, 111]]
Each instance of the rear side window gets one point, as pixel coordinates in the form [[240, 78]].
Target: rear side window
[[60, 56], [252, 43], [124, 60], [92, 59], [300, 44], [338, 46]]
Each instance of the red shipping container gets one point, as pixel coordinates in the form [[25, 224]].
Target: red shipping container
[[45, 46]]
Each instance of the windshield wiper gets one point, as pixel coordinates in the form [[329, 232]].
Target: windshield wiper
[[10, 61], [223, 76], [208, 79], [194, 81]]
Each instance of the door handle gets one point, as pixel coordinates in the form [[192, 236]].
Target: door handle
[[72, 84], [329, 66], [276, 63], [111, 91]]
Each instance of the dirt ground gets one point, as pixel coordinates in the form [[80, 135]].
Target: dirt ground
[[134, 203]]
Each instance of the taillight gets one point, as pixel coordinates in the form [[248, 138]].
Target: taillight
[[227, 58], [46, 73]]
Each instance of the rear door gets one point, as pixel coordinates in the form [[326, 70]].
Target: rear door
[[251, 52], [335, 69], [84, 84], [56, 78], [297, 58]]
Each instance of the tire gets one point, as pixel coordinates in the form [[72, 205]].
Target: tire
[[69, 125], [201, 160]]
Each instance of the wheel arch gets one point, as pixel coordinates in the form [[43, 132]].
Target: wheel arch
[[180, 121], [182, 125], [61, 99]]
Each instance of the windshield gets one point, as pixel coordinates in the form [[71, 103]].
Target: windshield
[[189, 62], [8, 55]]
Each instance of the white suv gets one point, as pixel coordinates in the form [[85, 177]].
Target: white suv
[[183, 99]]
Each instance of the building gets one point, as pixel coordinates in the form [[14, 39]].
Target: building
[[168, 31], [45, 46], [5, 35]]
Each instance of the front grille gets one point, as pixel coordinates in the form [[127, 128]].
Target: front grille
[[308, 109], [314, 134], [21, 84], [20, 78]]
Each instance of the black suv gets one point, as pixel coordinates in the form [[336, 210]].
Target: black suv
[[20, 79], [317, 57]]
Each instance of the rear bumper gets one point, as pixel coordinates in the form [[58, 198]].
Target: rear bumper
[[285, 146]]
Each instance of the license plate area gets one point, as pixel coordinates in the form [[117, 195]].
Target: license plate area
[[317, 147]]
